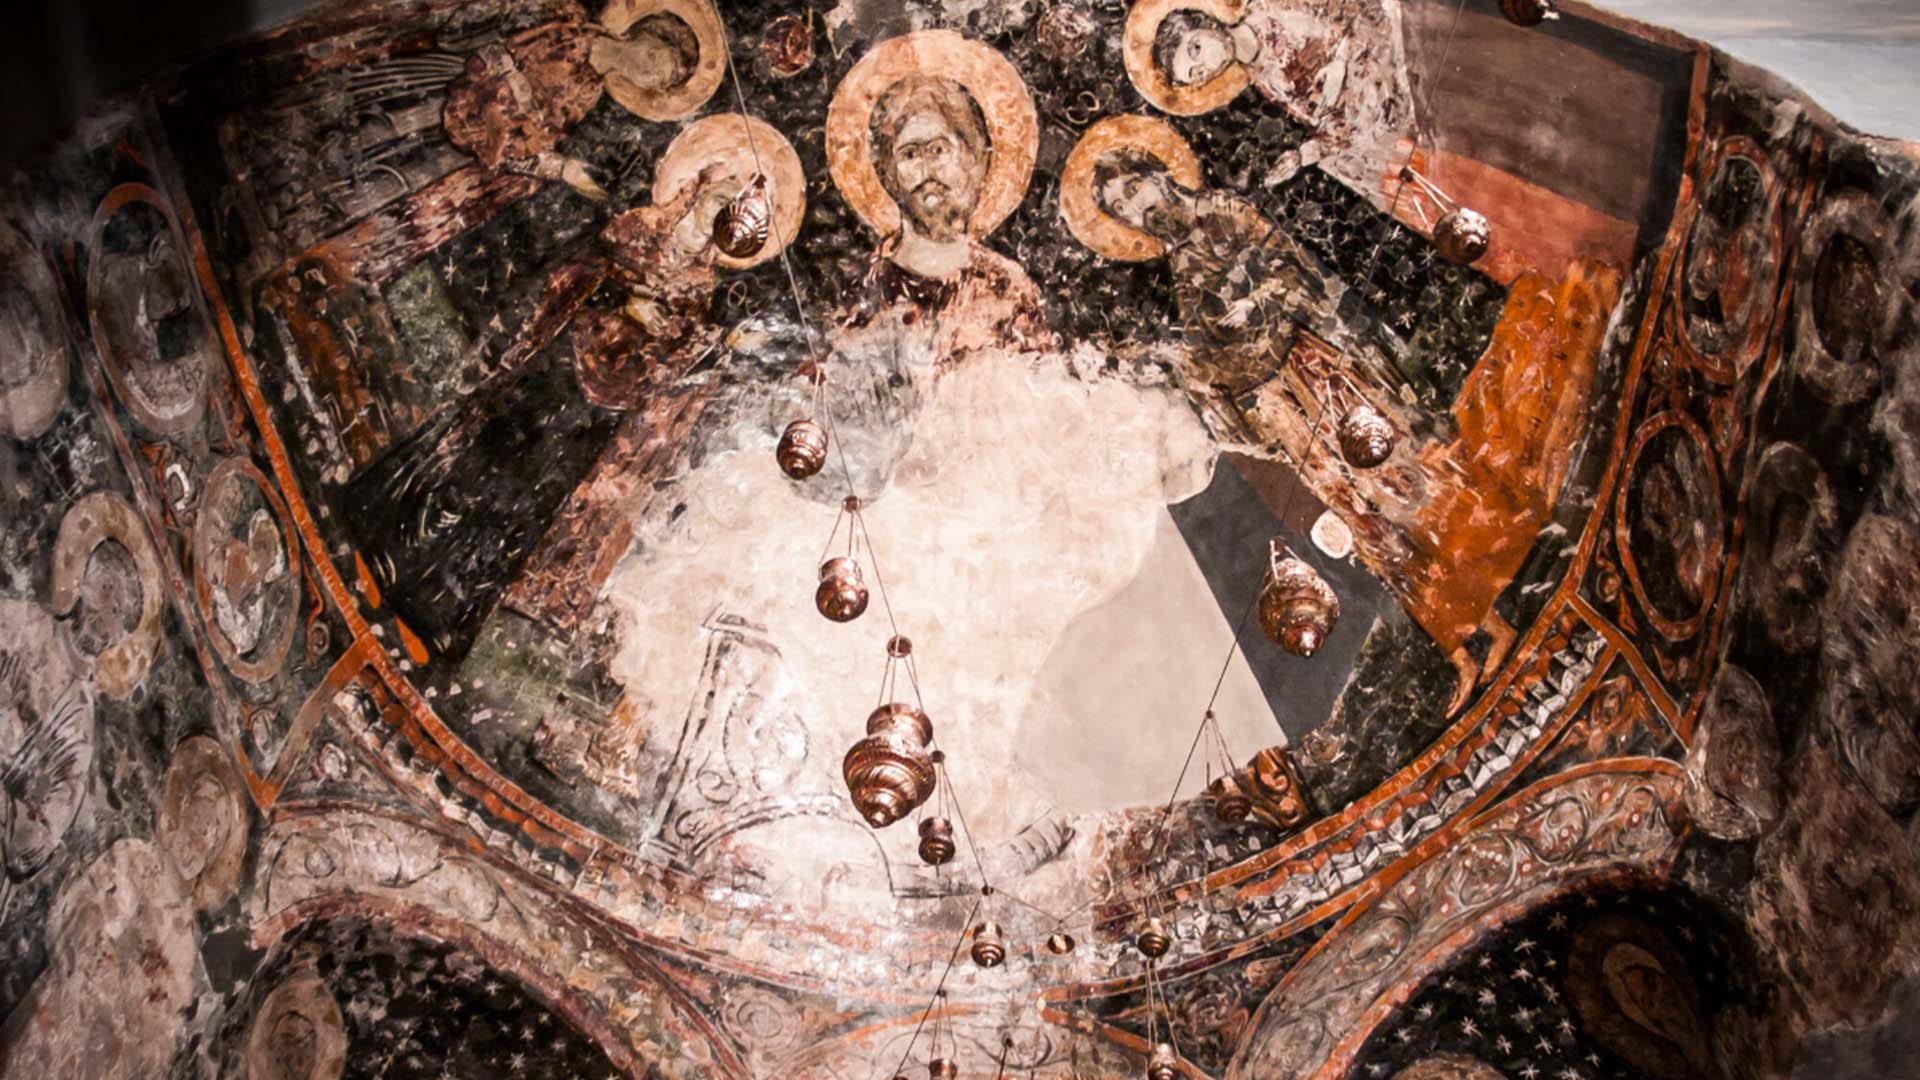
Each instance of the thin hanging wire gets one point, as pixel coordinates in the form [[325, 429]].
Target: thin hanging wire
[[939, 989], [1154, 987], [879, 579], [815, 341], [1153, 1014], [858, 522], [966, 831], [753, 147]]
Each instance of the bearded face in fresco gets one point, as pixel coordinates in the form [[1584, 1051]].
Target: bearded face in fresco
[[1192, 48], [931, 150], [1136, 189]]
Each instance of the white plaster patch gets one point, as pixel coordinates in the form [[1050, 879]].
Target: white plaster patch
[[1025, 499]]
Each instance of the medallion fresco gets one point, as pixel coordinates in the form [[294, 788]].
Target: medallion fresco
[[406, 655]]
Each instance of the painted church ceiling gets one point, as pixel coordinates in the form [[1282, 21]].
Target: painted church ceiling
[[399, 571]]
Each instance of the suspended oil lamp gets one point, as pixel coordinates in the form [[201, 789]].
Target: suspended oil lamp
[[803, 445], [1461, 235], [1528, 12], [1163, 1061], [1298, 609], [940, 1040], [936, 841], [1153, 941], [891, 772], [1060, 943], [1266, 789], [803, 448], [1366, 437], [1230, 803], [1363, 434], [1164, 1064], [842, 595], [989, 949], [742, 226]]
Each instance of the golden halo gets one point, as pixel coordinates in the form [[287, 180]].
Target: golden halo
[[1143, 22], [92, 520], [1094, 227], [683, 100], [734, 140], [1013, 130]]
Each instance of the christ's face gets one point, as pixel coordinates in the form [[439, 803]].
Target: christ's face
[[938, 173]]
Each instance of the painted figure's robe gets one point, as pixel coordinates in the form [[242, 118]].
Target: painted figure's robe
[[517, 99], [989, 304], [1338, 67], [1243, 287], [453, 514]]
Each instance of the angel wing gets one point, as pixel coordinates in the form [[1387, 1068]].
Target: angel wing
[[43, 781]]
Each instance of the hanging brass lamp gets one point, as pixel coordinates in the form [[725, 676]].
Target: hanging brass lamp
[[1298, 609], [1153, 941], [742, 226], [1366, 437], [1461, 235], [842, 594], [989, 949], [803, 445], [1164, 1064], [892, 771], [1231, 803], [1528, 12], [803, 448], [936, 841]]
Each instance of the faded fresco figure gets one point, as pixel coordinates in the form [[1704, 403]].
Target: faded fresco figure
[[661, 258], [145, 295], [518, 484], [1336, 65], [633, 352], [467, 498], [385, 124], [1241, 282], [1280, 335], [517, 99], [931, 151], [46, 745]]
